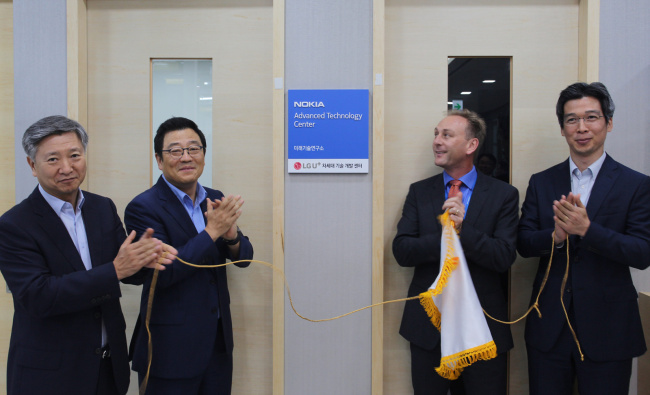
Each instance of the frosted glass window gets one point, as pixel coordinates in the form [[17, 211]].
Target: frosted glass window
[[183, 88]]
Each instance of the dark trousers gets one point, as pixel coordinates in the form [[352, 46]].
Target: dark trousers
[[106, 382], [481, 378], [554, 372], [215, 380]]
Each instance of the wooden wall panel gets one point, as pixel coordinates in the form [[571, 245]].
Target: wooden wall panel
[[7, 157], [237, 36], [542, 39]]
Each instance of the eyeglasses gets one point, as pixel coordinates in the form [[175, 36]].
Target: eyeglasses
[[195, 151], [588, 119]]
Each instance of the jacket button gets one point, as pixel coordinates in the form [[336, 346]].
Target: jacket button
[[98, 351], [568, 290], [213, 281], [97, 315], [214, 310]]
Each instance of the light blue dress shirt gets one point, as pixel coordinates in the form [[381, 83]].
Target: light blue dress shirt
[[193, 208], [583, 182]]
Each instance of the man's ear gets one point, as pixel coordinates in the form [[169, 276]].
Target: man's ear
[[610, 124], [32, 165], [472, 146], [159, 161]]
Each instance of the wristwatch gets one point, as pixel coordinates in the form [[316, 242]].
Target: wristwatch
[[232, 242]]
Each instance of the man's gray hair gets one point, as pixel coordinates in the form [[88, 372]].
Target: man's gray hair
[[43, 128]]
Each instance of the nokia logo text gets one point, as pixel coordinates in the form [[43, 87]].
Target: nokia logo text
[[308, 104]]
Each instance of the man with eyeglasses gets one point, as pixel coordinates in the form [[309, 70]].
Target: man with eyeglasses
[[191, 327], [592, 214]]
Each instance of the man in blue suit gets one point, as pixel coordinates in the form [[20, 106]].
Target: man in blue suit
[[599, 210], [63, 253], [191, 328]]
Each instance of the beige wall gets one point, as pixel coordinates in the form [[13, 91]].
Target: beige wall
[[542, 39], [7, 193], [122, 37], [7, 190]]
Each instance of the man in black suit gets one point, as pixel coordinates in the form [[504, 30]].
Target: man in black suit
[[486, 214], [603, 208], [63, 253]]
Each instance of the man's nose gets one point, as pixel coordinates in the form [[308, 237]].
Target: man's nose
[[582, 125], [66, 166], [185, 156]]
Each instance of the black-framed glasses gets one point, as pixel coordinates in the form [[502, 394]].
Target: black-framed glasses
[[195, 151], [572, 121]]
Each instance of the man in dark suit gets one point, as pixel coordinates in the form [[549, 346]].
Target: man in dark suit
[[191, 328], [485, 213], [604, 209], [63, 253]]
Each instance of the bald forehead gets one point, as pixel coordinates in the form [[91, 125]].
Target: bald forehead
[[452, 123]]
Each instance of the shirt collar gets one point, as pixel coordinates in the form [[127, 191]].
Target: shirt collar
[[469, 179], [201, 194], [57, 204], [594, 167]]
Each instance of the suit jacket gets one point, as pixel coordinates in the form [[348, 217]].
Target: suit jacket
[[488, 237], [55, 345], [187, 301], [600, 287]]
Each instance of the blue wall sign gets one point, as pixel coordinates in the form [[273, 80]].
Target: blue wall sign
[[328, 131]]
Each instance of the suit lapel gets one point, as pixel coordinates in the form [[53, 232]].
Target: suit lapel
[[437, 192], [560, 179], [204, 208], [563, 177], [171, 204], [478, 200], [604, 182], [55, 230], [91, 213]]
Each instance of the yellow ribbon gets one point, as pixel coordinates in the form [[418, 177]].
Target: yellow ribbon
[[535, 306]]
